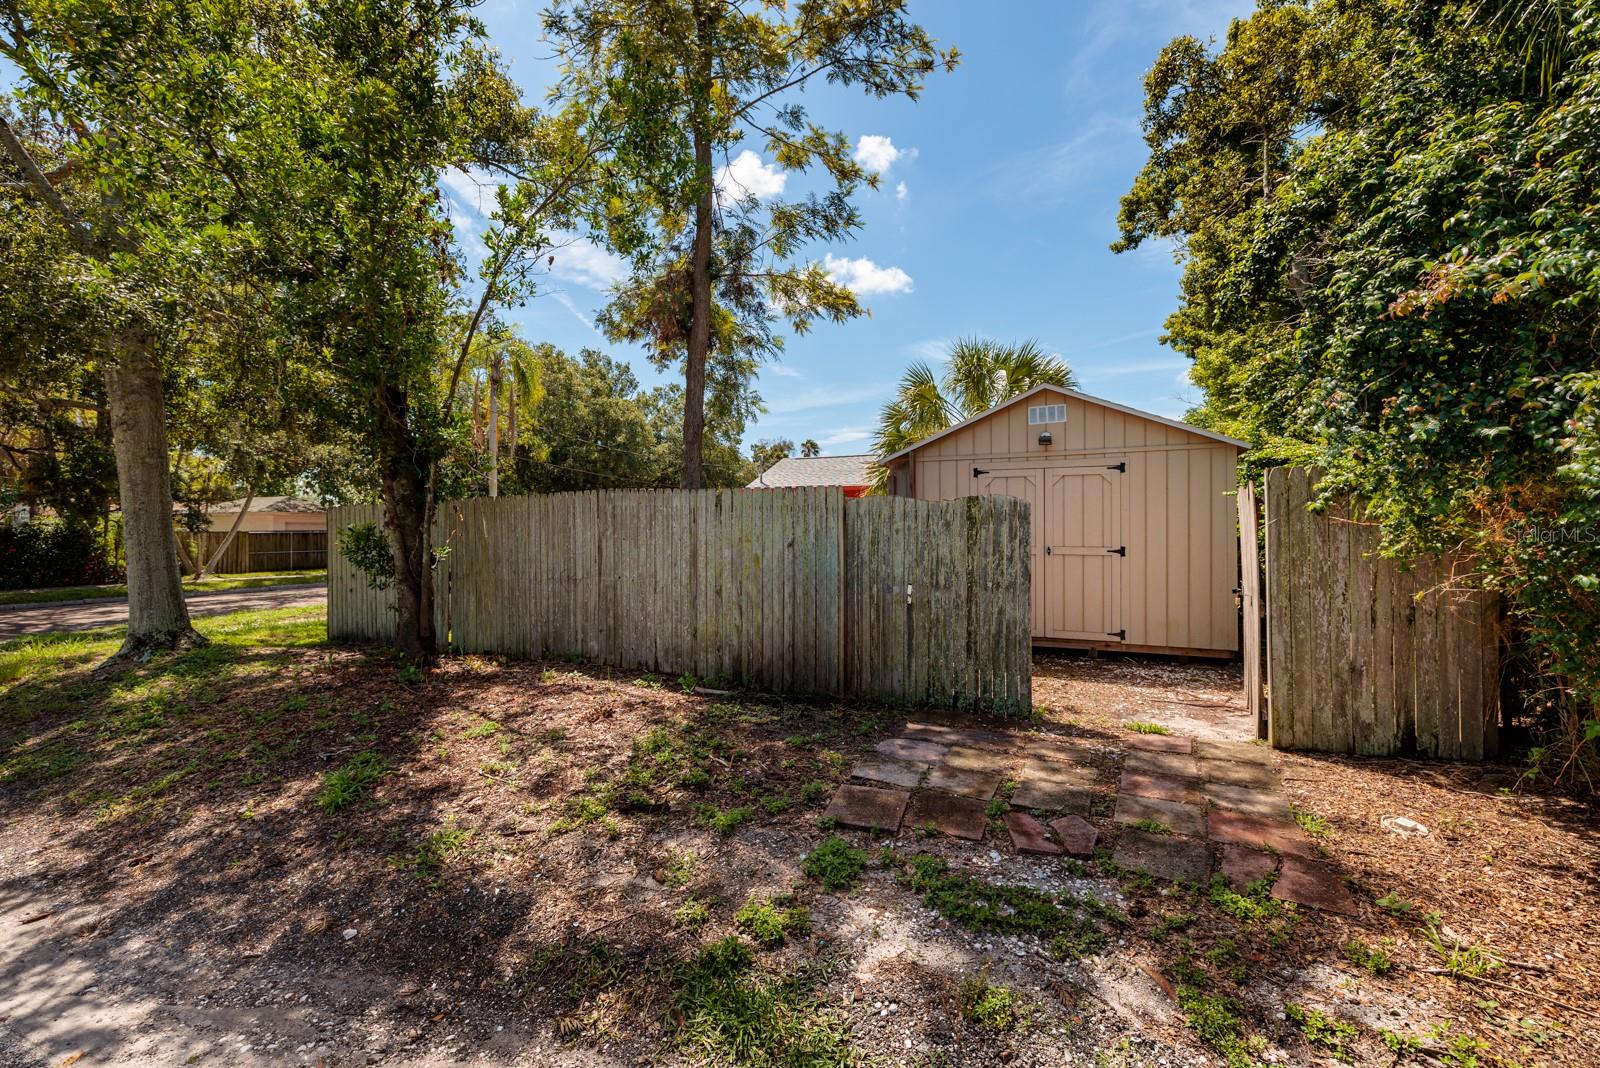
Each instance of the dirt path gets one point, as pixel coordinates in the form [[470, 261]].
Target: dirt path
[[47, 618]]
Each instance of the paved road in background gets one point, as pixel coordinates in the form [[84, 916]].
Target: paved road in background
[[18, 620]]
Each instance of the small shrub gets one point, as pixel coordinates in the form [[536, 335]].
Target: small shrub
[[770, 922], [1139, 726], [836, 864], [351, 783], [366, 547]]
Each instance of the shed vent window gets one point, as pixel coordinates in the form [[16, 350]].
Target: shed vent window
[[1039, 414]]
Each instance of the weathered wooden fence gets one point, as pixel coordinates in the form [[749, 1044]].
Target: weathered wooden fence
[[287, 550], [798, 590], [1364, 654]]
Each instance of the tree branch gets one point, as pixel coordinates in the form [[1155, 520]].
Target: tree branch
[[39, 182]]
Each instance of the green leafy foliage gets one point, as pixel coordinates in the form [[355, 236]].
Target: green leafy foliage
[[353, 782], [770, 923], [836, 864], [1385, 219]]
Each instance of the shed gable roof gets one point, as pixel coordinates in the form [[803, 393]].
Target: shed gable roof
[[1075, 395]]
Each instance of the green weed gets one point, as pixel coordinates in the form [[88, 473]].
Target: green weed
[[1374, 959], [1323, 1030], [723, 821], [771, 922], [1139, 726], [989, 1005], [1150, 826], [836, 864], [1314, 825], [351, 783]]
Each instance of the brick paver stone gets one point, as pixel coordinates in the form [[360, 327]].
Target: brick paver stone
[[911, 749], [1077, 835], [978, 784], [931, 732], [1028, 835], [1001, 741], [1161, 743], [867, 807], [1242, 752], [1165, 857], [1182, 819], [959, 817], [967, 758], [1255, 776], [1054, 785], [894, 772], [1177, 765], [1162, 786], [1284, 836], [1315, 883], [1055, 747], [1243, 865], [1268, 804]]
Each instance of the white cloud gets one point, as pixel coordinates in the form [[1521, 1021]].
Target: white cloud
[[586, 263], [475, 189], [901, 192], [846, 435], [750, 176], [863, 277], [878, 153], [930, 350], [784, 371], [568, 303]]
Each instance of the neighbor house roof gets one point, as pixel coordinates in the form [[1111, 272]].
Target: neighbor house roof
[[270, 504], [816, 471], [1113, 405]]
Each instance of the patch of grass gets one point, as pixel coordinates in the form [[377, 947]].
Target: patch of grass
[[1374, 959], [579, 811], [1139, 726], [351, 783], [1178, 921], [813, 791], [692, 914], [727, 1011], [679, 869], [1322, 1030], [1314, 825], [773, 804], [1215, 1021], [771, 922], [695, 779], [1150, 826], [989, 1005], [836, 864], [723, 821], [1066, 923], [487, 729], [434, 851], [245, 581]]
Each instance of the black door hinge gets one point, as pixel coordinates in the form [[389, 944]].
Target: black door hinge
[[976, 471], [1120, 635], [1123, 467], [1121, 550]]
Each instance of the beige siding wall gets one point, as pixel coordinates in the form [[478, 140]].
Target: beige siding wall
[[1177, 503], [273, 522]]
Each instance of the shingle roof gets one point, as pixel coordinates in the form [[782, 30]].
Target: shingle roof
[[270, 504], [817, 471]]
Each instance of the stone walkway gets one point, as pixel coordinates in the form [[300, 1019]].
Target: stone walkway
[[1181, 809]]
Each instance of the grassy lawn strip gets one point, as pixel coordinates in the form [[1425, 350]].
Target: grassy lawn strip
[[247, 581]]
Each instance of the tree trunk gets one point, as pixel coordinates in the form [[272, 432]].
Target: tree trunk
[[157, 615], [694, 366], [495, 376], [511, 425], [249, 499], [406, 514]]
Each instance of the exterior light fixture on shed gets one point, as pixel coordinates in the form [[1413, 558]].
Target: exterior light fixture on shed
[[1044, 438]]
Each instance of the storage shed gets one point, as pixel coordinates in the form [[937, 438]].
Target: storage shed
[[1134, 517]]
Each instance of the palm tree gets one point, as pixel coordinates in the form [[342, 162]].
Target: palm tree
[[981, 374]]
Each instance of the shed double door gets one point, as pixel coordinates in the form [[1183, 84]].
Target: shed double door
[[1078, 551]]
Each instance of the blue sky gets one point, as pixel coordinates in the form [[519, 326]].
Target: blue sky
[[996, 209]]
